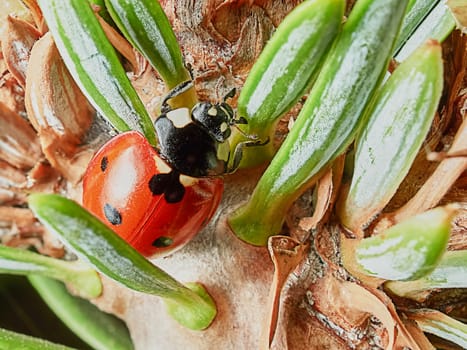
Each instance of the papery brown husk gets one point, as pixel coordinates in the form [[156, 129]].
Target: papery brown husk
[[321, 305]]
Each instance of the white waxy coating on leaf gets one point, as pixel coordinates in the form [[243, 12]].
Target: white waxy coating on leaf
[[100, 78], [391, 142], [282, 59], [311, 150], [393, 259], [396, 127], [446, 328], [11, 265]]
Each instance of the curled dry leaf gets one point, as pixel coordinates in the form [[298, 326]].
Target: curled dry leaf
[[36, 14], [11, 94], [286, 254], [136, 60], [12, 181], [18, 143], [21, 220], [17, 42], [350, 305], [19, 228], [418, 335], [16, 7], [327, 189], [58, 110], [459, 10], [441, 325], [439, 183]]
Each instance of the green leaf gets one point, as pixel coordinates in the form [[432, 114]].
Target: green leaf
[[84, 280], [441, 325], [145, 25], [416, 12], [328, 121], [14, 341], [285, 70], [394, 130], [408, 250], [100, 330], [93, 241], [437, 25], [94, 65], [451, 272]]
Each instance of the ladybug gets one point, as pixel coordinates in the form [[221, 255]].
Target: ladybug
[[158, 199], [136, 193]]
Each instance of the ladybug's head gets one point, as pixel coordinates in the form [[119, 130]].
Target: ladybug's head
[[215, 118]]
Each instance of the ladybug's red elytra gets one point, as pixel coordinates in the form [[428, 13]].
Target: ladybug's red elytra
[[135, 192], [157, 200]]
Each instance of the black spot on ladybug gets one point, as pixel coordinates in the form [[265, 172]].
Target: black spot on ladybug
[[112, 214], [169, 185], [158, 183], [104, 163], [162, 242], [175, 193]]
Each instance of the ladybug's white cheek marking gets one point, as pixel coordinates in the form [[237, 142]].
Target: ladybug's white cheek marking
[[180, 117], [223, 151], [162, 166], [188, 181], [224, 127]]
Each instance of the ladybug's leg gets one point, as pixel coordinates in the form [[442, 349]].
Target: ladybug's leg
[[177, 90], [234, 160], [230, 94]]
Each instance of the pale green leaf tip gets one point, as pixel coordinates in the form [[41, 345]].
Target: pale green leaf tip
[[88, 285], [408, 250], [193, 313]]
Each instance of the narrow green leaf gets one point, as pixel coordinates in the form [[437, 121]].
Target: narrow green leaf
[[328, 121], [84, 280], [145, 25], [441, 325], [451, 272], [437, 25], [100, 330], [93, 241], [394, 130], [408, 250], [14, 341], [417, 10], [286, 68], [94, 65]]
